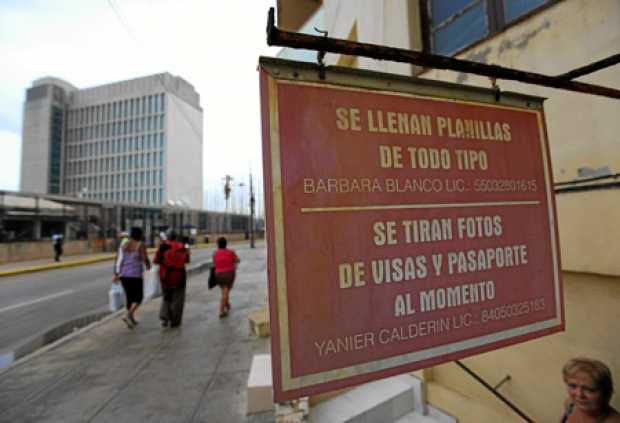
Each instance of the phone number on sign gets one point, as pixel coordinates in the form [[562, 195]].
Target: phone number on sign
[[505, 185], [512, 310]]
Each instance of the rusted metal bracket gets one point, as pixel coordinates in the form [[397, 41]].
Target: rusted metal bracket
[[501, 382], [277, 37], [320, 56], [495, 88]]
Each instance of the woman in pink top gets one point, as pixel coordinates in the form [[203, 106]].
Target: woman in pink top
[[225, 262]]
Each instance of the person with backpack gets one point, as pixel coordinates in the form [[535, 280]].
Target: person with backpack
[[172, 256]]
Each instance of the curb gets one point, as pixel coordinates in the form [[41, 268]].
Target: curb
[[58, 334]]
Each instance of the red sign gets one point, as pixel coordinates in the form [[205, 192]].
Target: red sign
[[404, 231]]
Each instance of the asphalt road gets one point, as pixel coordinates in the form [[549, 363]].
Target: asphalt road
[[35, 302]]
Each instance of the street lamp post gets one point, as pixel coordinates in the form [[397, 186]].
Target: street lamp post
[[228, 179], [251, 213]]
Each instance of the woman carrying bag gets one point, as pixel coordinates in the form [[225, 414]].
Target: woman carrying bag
[[130, 270], [225, 263]]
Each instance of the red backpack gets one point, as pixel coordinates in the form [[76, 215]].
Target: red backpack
[[172, 266]]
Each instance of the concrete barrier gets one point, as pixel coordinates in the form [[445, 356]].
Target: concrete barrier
[[59, 265], [73, 263]]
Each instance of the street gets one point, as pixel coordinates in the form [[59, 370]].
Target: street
[[107, 373], [34, 302]]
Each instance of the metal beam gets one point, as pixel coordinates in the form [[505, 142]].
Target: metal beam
[[277, 37], [592, 67]]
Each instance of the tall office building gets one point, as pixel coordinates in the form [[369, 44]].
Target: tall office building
[[135, 141]]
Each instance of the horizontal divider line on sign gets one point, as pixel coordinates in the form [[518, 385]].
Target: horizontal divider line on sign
[[419, 206]]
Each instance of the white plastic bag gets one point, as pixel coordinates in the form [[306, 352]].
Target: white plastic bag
[[117, 297], [152, 287]]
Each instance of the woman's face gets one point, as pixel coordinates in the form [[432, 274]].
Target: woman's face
[[583, 392]]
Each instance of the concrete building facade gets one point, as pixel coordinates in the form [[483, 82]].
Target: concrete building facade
[[549, 37], [135, 141]]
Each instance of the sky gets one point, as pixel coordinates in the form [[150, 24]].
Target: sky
[[214, 45]]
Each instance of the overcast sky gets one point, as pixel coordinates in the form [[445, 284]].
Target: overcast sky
[[214, 45]]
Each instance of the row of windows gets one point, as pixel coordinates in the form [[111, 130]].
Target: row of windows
[[112, 164], [129, 180], [55, 149], [142, 196], [456, 24], [116, 146], [139, 106], [113, 129]]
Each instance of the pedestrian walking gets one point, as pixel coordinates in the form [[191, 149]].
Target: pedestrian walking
[[172, 256], [129, 270], [57, 241], [225, 262]]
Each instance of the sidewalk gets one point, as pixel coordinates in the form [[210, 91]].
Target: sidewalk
[[108, 373]]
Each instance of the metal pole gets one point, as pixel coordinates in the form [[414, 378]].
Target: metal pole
[[494, 392], [592, 67], [277, 37]]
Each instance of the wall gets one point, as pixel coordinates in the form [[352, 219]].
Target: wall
[[387, 21], [589, 233], [582, 128], [292, 14], [35, 151], [535, 366], [583, 131], [24, 251], [183, 152]]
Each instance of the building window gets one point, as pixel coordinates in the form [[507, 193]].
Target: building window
[[55, 150], [514, 9], [455, 25]]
